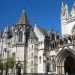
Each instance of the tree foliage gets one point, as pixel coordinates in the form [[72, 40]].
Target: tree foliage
[[1, 65], [9, 63]]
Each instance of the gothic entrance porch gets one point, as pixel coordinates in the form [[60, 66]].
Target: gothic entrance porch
[[69, 66], [65, 62]]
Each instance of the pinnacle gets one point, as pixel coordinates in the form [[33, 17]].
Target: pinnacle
[[74, 4], [66, 6], [62, 4], [23, 11], [35, 25]]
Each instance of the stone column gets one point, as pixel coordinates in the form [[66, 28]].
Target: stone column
[[44, 67], [63, 72]]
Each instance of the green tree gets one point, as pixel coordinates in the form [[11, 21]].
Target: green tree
[[10, 63], [1, 65]]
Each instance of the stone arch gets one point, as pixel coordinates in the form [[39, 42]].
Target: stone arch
[[69, 65], [60, 59]]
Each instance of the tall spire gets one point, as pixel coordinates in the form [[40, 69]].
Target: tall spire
[[73, 10], [23, 19]]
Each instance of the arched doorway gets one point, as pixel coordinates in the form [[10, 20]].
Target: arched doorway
[[69, 66], [65, 62]]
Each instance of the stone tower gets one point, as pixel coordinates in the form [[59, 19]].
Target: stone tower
[[67, 19]]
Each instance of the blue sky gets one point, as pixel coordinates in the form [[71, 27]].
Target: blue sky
[[45, 13]]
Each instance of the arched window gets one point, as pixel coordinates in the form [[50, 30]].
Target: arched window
[[9, 34], [53, 45], [40, 59], [70, 38], [57, 37], [47, 67], [53, 66], [61, 42], [53, 36], [65, 40], [20, 34]]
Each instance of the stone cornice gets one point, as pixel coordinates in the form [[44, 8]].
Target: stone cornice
[[69, 20]]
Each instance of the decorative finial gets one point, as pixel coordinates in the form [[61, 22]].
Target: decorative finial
[[35, 25], [23, 11], [74, 4], [62, 4]]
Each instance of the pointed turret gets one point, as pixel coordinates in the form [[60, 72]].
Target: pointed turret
[[73, 11], [23, 19], [6, 29], [64, 11], [64, 17], [62, 5], [35, 26]]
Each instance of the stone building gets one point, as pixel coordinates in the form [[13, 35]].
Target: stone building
[[47, 51]]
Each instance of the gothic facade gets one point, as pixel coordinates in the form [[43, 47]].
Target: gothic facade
[[46, 52]]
